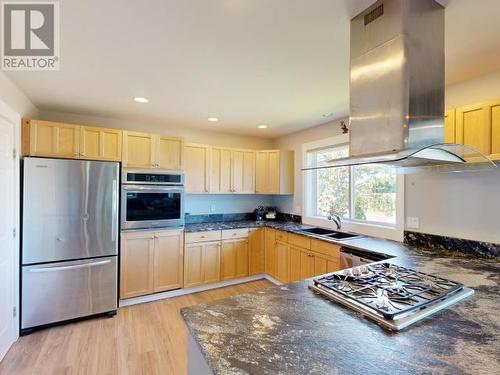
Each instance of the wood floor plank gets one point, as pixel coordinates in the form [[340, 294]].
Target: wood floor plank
[[150, 338]]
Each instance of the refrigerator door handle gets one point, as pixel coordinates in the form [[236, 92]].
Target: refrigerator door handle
[[85, 265], [114, 221]]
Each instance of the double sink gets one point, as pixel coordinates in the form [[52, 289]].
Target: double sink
[[328, 233]]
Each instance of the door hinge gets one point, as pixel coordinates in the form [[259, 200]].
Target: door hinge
[[14, 153], [14, 311], [14, 232]]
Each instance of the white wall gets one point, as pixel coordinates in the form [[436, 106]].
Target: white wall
[[15, 98], [472, 91], [462, 205], [225, 204], [294, 141]]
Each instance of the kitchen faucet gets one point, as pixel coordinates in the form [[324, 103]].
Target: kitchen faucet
[[332, 216]]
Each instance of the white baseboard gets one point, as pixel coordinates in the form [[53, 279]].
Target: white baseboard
[[196, 289]]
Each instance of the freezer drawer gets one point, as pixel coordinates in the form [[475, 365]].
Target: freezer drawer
[[60, 291]]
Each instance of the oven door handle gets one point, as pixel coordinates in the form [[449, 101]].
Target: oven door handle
[[155, 189]]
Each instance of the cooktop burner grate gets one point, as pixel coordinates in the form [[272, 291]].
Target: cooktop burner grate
[[390, 290]]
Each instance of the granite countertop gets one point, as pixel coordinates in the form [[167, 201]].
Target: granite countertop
[[222, 225], [291, 330]]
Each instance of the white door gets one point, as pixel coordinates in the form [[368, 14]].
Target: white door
[[7, 250]]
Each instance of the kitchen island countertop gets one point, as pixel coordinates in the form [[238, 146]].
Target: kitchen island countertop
[[291, 330]]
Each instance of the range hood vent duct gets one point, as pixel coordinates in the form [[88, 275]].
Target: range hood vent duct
[[397, 89]]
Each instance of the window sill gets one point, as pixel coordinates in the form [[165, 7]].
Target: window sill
[[368, 229]]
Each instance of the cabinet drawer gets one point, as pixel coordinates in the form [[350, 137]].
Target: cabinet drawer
[[234, 233], [209, 235], [299, 241], [326, 248], [281, 236]]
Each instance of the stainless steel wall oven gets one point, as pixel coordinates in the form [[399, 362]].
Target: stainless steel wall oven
[[152, 199]]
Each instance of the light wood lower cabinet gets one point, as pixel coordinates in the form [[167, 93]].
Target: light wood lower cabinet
[[201, 263], [137, 258], [150, 262], [270, 251], [305, 264], [234, 256], [281, 250], [168, 261], [256, 251], [156, 261]]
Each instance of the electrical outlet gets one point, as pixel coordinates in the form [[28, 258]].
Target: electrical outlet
[[296, 210], [212, 208], [412, 222]]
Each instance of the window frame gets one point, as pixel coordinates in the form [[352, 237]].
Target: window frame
[[309, 197]]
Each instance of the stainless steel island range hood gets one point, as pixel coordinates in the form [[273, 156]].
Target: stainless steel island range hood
[[397, 88]]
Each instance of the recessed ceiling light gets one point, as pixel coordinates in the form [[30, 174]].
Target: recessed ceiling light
[[213, 119], [140, 99], [262, 126]]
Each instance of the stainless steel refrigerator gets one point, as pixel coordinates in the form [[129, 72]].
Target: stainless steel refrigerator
[[69, 240]]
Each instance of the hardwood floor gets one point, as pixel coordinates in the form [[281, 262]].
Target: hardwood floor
[[150, 338]]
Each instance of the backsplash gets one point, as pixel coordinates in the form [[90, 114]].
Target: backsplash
[[224, 203], [470, 247]]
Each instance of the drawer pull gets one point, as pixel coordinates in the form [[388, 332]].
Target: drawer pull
[[76, 266]]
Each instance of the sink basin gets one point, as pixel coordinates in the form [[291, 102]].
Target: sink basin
[[342, 235], [328, 233], [320, 231]]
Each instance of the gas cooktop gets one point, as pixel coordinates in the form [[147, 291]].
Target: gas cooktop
[[393, 296]]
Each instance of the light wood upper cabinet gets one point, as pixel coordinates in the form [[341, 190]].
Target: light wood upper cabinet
[[256, 251], [274, 172], [169, 260], [138, 150], [474, 127], [100, 143], [232, 171], [220, 178], [151, 262], [201, 263], [243, 171], [145, 150], [477, 126], [51, 139], [169, 152], [137, 260], [196, 167], [449, 127], [234, 259]]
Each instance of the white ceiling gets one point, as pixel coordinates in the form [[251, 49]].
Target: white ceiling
[[283, 63]]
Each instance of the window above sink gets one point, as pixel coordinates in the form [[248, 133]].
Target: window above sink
[[370, 199]]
